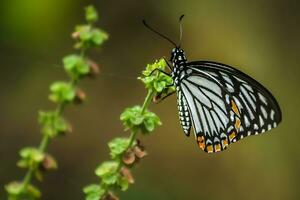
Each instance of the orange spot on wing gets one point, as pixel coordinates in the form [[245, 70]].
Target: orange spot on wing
[[235, 108], [237, 124], [225, 143], [232, 135], [201, 142], [209, 148], [218, 147]]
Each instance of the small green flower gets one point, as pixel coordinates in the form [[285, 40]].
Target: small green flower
[[91, 14], [90, 36], [15, 192], [151, 121], [53, 124], [76, 66], [155, 80], [118, 146], [135, 120], [123, 183], [93, 192], [62, 92], [30, 157], [107, 171]]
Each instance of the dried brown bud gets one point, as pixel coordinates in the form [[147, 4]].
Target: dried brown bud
[[75, 35], [49, 163], [139, 152], [156, 98], [128, 157], [94, 68], [110, 196], [126, 173], [80, 96]]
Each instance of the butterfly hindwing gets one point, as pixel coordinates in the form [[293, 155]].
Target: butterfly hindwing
[[226, 105]]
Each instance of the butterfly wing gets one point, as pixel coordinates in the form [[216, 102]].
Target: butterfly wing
[[226, 105]]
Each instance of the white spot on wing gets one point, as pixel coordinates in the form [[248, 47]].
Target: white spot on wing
[[246, 120], [226, 78], [262, 98], [248, 87], [264, 112], [249, 99], [272, 114], [269, 126], [229, 88], [261, 121]]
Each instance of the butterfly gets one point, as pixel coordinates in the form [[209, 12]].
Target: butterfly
[[222, 104]]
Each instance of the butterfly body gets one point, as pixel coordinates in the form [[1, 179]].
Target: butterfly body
[[222, 104]]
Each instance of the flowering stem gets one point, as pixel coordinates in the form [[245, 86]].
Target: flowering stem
[[132, 136], [35, 159], [133, 133], [144, 107], [46, 138]]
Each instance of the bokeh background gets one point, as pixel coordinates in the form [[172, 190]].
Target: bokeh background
[[261, 38]]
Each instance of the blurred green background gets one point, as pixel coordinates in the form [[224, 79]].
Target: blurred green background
[[261, 38]]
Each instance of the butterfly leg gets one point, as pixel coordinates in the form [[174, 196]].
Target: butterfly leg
[[159, 71], [168, 64], [158, 98]]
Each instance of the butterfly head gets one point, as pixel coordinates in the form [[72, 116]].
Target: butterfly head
[[177, 56]]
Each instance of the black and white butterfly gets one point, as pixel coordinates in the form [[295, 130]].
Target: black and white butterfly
[[221, 103]]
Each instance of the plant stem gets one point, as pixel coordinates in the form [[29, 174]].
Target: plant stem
[[147, 100], [133, 133], [132, 136], [46, 138], [42, 147], [144, 107]]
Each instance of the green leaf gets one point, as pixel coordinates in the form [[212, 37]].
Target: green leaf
[[155, 80], [123, 183], [110, 179], [85, 32], [90, 36], [107, 171], [93, 192], [151, 122], [118, 146], [13, 188], [134, 120], [30, 157], [99, 36], [106, 168], [75, 65], [53, 124], [91, 14], [132, 117], [62, 92], [15, 192]]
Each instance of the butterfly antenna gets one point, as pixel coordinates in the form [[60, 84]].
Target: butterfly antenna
[[158, 33], [180, 29]]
